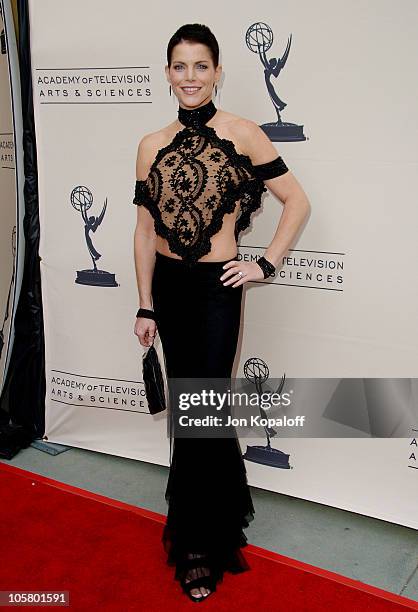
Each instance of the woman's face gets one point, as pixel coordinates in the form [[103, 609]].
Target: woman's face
[[192, 74]]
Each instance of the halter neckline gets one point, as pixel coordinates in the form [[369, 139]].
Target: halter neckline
[[196, 116]]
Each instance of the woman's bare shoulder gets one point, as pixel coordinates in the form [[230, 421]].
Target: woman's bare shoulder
[[246, 133], [235, 122], [156, 139], [149, 145], [240, 129]]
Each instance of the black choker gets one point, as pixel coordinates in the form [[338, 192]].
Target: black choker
[[196, 116]]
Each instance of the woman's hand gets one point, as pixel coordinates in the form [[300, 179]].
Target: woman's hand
[[146, 330], [250, 271]]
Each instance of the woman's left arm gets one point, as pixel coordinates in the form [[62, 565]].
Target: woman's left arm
[[256, 144]]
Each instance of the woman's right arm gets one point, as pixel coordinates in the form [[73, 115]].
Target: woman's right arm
[[144, 248]]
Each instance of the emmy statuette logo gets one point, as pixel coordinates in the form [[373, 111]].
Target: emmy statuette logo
[[257, 372], [259, 39], [82, 199]]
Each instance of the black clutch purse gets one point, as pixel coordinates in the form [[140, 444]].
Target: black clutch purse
[[153, 381]]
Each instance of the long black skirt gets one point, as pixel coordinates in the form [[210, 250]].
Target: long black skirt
[[209, 500]]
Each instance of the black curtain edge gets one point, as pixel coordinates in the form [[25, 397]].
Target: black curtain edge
[[22, 402]]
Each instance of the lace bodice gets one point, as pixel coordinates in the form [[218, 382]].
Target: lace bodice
[[194, 181]]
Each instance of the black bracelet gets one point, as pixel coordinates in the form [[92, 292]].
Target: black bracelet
[[266, 266], [145, 312]]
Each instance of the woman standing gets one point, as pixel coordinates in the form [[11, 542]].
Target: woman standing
[[198, 181]]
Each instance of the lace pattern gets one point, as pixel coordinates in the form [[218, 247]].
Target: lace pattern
[[193, 182]]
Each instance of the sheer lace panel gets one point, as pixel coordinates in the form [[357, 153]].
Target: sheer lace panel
[[193, 182]]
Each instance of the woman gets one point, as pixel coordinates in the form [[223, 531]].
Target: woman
[[198, 181]]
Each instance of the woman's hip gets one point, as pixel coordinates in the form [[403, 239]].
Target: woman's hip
[[198, 318], [191, 285]]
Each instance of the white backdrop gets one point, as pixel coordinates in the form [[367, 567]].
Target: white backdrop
[[97, 90]]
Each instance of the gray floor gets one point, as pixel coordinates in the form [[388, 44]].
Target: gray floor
[[363, 548]]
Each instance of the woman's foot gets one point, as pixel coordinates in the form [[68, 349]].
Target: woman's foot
[[197, 583]]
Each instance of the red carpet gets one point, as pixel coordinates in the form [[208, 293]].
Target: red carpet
[[108, 555]]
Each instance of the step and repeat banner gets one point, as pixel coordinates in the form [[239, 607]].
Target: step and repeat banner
[[341, 311]]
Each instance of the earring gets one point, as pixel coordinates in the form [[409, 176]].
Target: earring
[[216, 89], [170, 90]]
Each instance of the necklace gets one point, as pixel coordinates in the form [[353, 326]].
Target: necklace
[[195, 117]]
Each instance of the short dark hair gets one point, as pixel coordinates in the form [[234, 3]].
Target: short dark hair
[[198, 33]]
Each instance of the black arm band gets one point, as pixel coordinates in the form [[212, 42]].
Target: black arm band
[[145, 312], [270, 169], [141, 191], [266, 266]]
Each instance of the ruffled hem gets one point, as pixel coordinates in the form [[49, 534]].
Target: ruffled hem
[[209, 506]]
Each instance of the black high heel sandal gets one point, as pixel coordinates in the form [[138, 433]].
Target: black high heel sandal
[[197, 561]]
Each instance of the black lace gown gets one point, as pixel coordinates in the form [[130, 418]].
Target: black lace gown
[[193, 182]]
